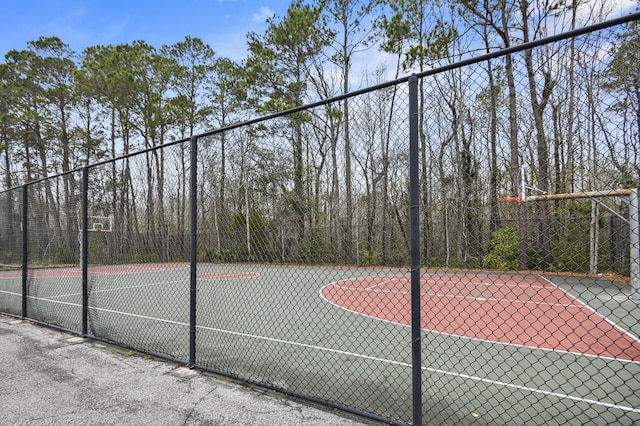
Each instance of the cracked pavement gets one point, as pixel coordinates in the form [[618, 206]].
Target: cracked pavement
[[49, 377]]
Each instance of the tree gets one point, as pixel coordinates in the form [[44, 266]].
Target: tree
[[7, 120], [110, 73], [89, 130], [227, 97], [57, 72], [416, 31], [622, 79], [494, 89], [353, 35], [279, 64], [498, 15], [194, 64], [153, 76], [28, 109], [539, 102], [43, 80], [327, 126]]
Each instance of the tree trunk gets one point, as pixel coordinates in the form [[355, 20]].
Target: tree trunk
[[538, 107], [494, 211]]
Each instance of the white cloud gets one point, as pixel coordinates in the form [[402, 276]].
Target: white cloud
[[263, 14], [599, 10]]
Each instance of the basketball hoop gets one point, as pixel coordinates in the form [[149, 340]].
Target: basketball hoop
[[510, 199]]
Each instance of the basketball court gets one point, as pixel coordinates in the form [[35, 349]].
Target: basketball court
[[536, 341], [529, 311]]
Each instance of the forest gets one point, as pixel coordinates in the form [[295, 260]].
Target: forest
[[329, 183]]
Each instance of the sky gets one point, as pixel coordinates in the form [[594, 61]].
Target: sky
[[222, 24]]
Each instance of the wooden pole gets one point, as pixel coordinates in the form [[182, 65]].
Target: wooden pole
[[574, 195]]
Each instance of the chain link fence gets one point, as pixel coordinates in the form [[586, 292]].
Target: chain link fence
[[282, 251]]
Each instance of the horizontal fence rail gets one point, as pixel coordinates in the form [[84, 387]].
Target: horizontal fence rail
[[463, 249]]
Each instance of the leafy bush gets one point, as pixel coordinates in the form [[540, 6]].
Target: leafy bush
[[504, 250], [315, 248], [371, 258], [95, 250], [64, 256]]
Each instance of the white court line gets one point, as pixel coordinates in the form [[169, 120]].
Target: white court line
[[377, 359], [455, 283], [505, 300], [385, 282], [434, 370], [457, 296], [616, 326], [535, 390], [380, 284], [107, 290], [399, 363], [476, 339], [487, 284]]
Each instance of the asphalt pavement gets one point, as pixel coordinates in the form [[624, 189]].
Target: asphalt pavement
[[48, 377]]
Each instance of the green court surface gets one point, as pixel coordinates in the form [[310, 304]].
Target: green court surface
[[273, 324]]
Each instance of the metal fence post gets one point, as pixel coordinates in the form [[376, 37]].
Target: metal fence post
[[25, 249], [193, 258], [634, 240], [414, 197], [84, 257]]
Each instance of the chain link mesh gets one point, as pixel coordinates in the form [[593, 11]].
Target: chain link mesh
[[53, 280], [303, 230], [10, 255], [559, 343]]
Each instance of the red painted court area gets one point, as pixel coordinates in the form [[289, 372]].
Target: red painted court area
[[120, 270], [71, 272], [519, 310]]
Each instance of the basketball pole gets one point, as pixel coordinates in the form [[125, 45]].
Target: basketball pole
[[634, 242], [634, 224]]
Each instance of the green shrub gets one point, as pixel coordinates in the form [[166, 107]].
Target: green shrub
[[504, 250], [371, 258], [64, 256], [315, 248], [95, 250]]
